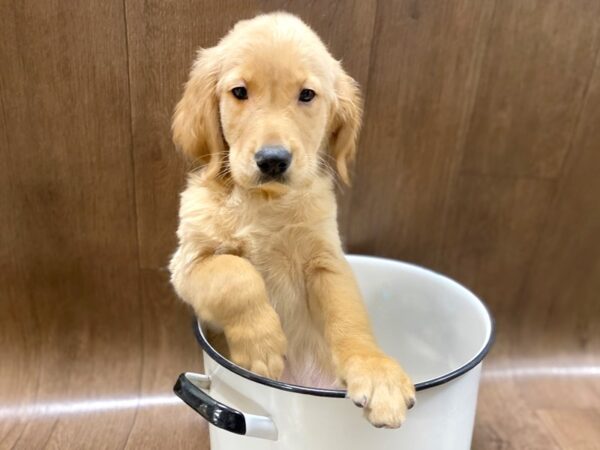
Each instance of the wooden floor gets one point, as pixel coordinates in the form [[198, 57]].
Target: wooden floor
[[89, 388]]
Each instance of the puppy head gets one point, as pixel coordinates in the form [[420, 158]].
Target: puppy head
[[268, 107]]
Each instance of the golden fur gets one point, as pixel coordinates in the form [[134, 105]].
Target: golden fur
[[262, 262]]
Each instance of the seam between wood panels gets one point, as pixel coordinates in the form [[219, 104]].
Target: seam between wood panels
[[131, 142], [137, 228], [3, 118], [374, 42], [349, 190]]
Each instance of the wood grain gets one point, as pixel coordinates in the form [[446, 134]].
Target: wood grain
[[168, 347], [491, 235], [577, 429], [505, 421], [423, 63], [69, 251], [479, 158], [532, 85], [565, 275]]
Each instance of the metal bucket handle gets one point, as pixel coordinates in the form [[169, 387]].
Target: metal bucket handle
[[190, 388]]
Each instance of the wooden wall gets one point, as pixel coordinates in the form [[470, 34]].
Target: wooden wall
[[480, 158]]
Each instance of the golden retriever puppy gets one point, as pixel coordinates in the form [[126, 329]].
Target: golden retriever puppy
[[264, 113]]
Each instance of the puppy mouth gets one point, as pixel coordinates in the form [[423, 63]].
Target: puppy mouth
[[267, 179], [272, 186]]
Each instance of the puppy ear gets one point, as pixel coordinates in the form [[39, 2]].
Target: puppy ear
[[347, 119], [196, 125]]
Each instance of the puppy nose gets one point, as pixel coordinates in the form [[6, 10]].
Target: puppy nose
[[273, 161]]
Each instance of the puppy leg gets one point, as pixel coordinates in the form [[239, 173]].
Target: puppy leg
[[374, 380], [228, 291]]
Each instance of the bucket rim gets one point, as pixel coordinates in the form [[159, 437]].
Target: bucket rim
[[341, 393]]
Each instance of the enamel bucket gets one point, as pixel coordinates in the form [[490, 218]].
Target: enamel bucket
[[437, 329]]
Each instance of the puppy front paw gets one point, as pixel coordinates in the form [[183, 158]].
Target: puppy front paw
[[378, 384], [257, 343]]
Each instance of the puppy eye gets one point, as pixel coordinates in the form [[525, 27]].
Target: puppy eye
[[240, 93], [306, 95]]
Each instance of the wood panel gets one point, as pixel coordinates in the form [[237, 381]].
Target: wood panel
[[67, 226], [561, 292], [517, 412], [491, 235], [423, 67], [168, 347], [531, 88], [505, 421], [479, 157], [577, 429], [163, 37], [524, 202]]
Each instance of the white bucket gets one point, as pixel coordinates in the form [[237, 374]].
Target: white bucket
[[438, 330]]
